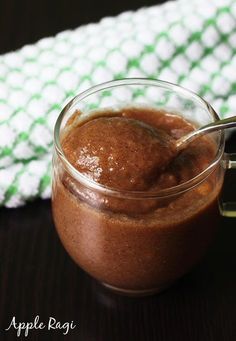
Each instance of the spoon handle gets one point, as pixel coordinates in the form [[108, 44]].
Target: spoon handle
[[209, 128]]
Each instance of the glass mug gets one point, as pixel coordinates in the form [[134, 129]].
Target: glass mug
[[145, 253]]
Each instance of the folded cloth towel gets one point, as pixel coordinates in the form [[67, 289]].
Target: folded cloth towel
[[187, 42]]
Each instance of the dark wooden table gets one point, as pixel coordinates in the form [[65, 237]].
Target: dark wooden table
[[37, 277]]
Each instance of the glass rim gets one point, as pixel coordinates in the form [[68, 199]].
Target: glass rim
[[137, 194]]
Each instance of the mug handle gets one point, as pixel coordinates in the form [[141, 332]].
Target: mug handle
[[228, 208]]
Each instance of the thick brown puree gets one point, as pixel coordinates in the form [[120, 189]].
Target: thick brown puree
[[132, 243]]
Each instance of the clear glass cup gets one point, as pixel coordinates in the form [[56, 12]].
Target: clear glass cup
[[98, 226]]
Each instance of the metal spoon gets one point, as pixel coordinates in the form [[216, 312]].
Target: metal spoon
[[182, 142]]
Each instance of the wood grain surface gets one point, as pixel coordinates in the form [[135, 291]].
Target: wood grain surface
[[37, 277]]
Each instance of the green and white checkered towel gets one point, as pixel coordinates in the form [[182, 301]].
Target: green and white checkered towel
[[192, 43]]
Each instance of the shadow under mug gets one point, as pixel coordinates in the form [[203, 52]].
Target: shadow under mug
[[137, 254]]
